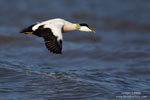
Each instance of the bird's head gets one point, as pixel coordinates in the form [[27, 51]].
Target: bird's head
[[84, 27]]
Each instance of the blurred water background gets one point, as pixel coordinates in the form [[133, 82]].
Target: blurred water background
[[105, 66]]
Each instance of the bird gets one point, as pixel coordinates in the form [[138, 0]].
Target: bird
[[51, 31]]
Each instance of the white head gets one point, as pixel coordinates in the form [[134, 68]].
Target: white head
[[84, 27]]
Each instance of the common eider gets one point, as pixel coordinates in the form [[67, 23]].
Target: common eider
[[51, 31]]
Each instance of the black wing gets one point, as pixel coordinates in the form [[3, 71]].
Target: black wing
[[51, 41]]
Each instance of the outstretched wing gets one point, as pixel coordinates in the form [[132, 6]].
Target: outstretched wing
[[51, 31], [51, 41]]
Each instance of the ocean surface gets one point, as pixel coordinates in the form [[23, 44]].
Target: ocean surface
[[112, 64]]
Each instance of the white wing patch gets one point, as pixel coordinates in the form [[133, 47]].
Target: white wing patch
[[52, 22], [36, 26], [56, 29], [55, 25]]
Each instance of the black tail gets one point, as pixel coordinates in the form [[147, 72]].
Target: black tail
[[27, 30]]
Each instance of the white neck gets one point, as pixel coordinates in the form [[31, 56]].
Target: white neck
[[69, 27]]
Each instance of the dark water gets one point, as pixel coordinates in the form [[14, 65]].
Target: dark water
[[113, 64]]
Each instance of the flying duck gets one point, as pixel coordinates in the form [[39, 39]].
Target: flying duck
[[51, 31]]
